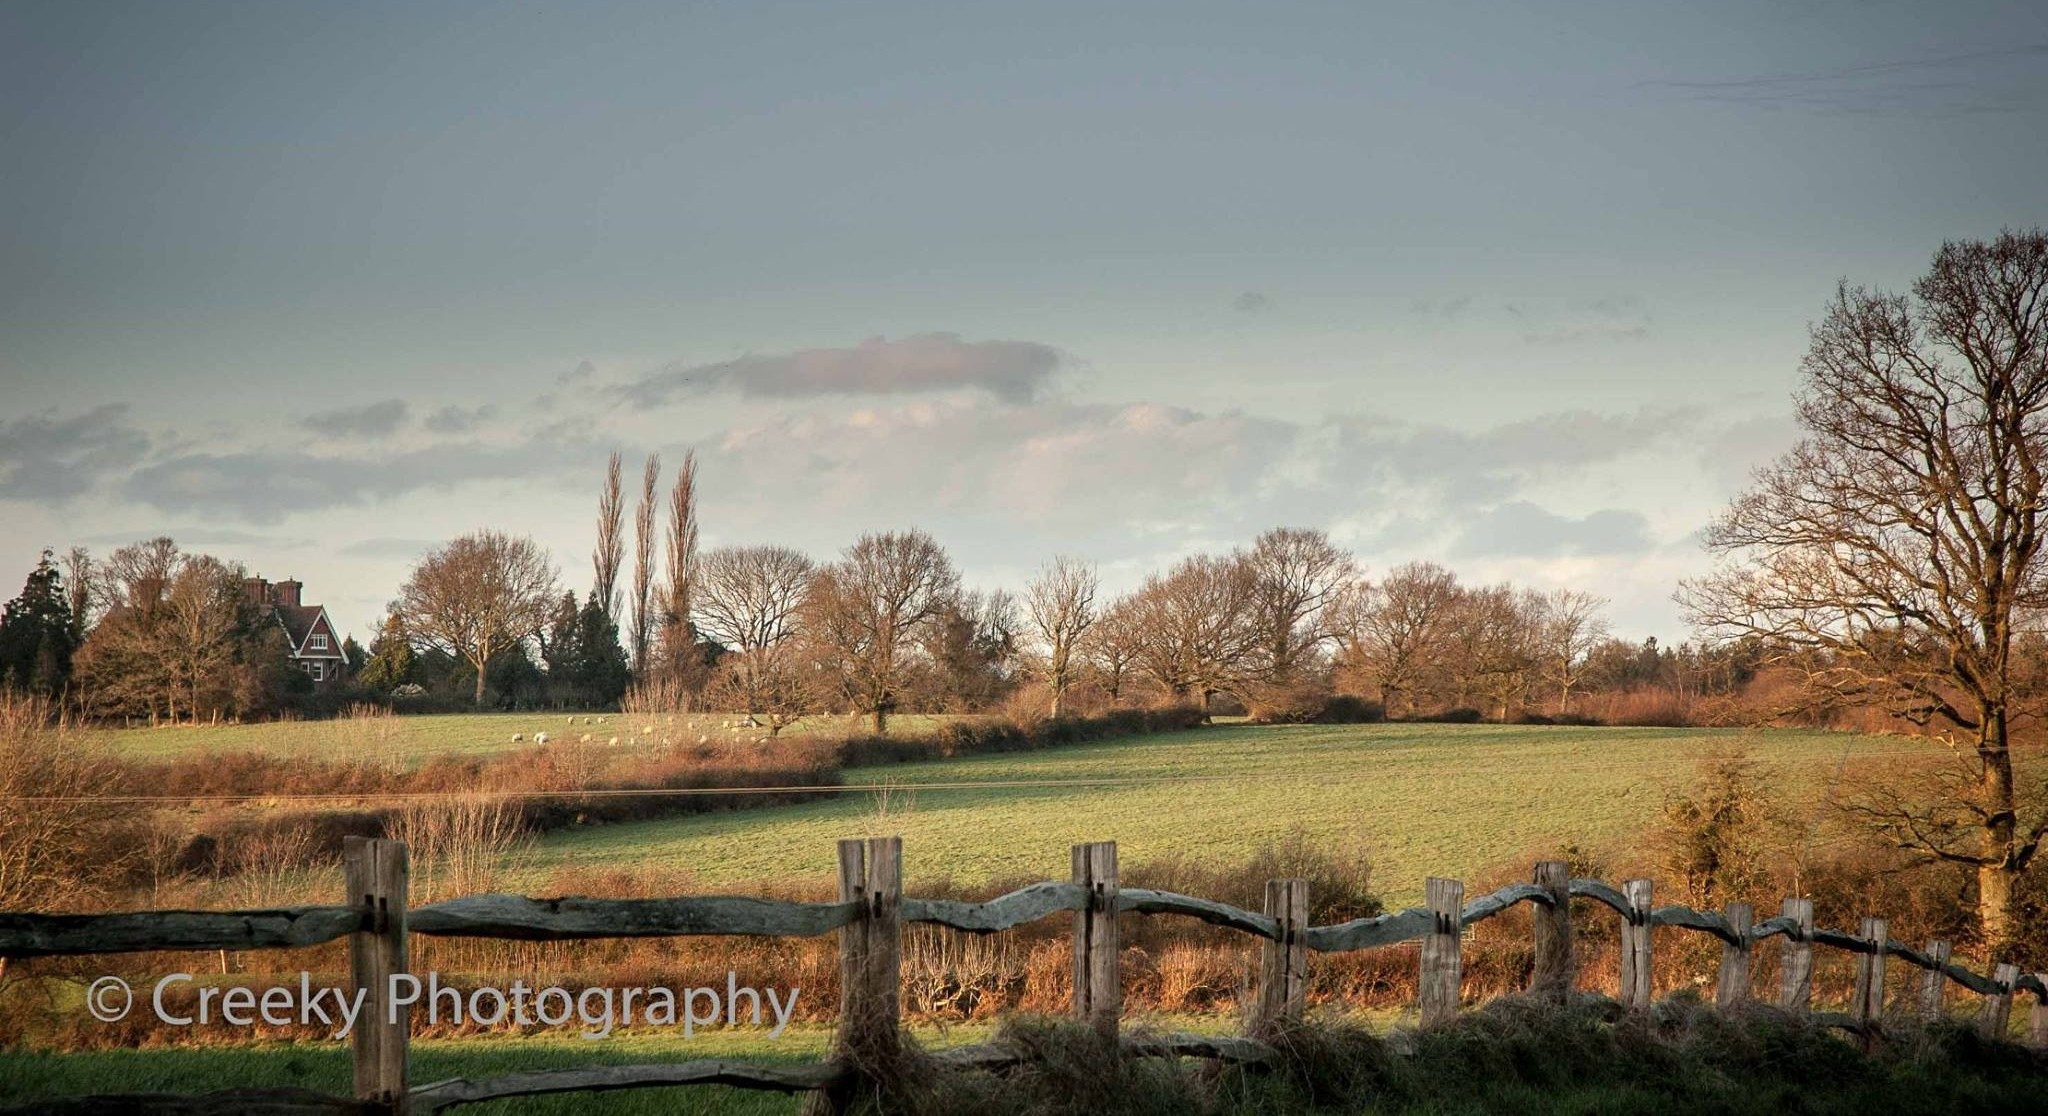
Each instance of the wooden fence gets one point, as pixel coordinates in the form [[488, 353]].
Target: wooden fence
[[869, 916]]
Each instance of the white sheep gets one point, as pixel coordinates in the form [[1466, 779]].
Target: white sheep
[[517, 737], [585, 740], [703, 740], [615, 741], [540, 738]]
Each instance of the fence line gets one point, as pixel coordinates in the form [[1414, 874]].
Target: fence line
[[869, 915]]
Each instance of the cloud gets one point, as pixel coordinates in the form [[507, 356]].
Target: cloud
[[1251, 302], [1521, 529], [373, 420], [46, 458], [2007, 79], [1160, 480], [265, 486], [460, 420], [582, 373], [1013, 371]]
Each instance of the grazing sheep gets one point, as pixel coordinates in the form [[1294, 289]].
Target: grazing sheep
[[585, 740], [703, 740], [615, 741], [540, 738], [646, 730], [517, 737], [572, 719]]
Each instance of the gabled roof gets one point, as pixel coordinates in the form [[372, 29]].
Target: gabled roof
[[299, 620]]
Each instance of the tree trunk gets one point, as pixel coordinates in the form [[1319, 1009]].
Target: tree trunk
[[1996, 877], [880, 720], [481, 664], [1059, 697]]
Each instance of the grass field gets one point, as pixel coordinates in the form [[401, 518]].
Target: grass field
[[1420, 800], [412, 738]]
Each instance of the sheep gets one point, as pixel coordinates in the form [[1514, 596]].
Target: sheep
[[615, 741], [518, 737], [703, 740], [585, 740], [540, 738]]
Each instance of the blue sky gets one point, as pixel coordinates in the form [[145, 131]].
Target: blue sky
[[1519, 288]]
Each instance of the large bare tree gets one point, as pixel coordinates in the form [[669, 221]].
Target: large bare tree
[[643, 564], [1897, 549], [482, 594], [1201, 626], [871, 608], [610, 552], [1060, 602], [1394, 631], [1113, 646], [1573, 623], [749, 600], [1299, 573]]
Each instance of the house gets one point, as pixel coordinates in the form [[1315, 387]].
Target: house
[[315, 647]]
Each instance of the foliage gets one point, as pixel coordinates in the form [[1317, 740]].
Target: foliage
[[38, 634]]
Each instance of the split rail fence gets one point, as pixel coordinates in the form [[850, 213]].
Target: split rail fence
[[869, 916]]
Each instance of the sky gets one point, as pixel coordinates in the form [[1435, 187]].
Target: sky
[[1521, 289]]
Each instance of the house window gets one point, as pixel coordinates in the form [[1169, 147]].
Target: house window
[[317, 643], [319, 672]]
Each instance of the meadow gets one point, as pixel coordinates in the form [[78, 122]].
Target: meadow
[[1417, 799], [410, 739]]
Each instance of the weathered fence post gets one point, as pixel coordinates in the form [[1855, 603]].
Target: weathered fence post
[[1795, 969], [1934, 982], [1098, 991], [1867, 1009], [1733, 986], [870, 969], [1997, 1011], [1635, 945], [1442, 962], [1283, 964], [1553, 975], [376, 873]]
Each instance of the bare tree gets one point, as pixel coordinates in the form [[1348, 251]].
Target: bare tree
[[749, 600], [1200, 626], [611, 544], [870, 608], [1395, 629], [1299, 574], [1113, 645], [78, 586], [643, 565], [1572, 626], [1061, 605], [677, 641], [1898, 547], [1492, 647], [481, 594], [136, 576]]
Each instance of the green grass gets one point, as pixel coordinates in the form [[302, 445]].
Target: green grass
[[1421, 800], [415, 737]]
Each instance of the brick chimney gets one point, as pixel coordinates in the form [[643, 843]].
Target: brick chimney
[[257, 590], [287, 592]]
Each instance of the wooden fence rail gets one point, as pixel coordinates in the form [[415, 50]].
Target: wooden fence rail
[[869, 915]]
